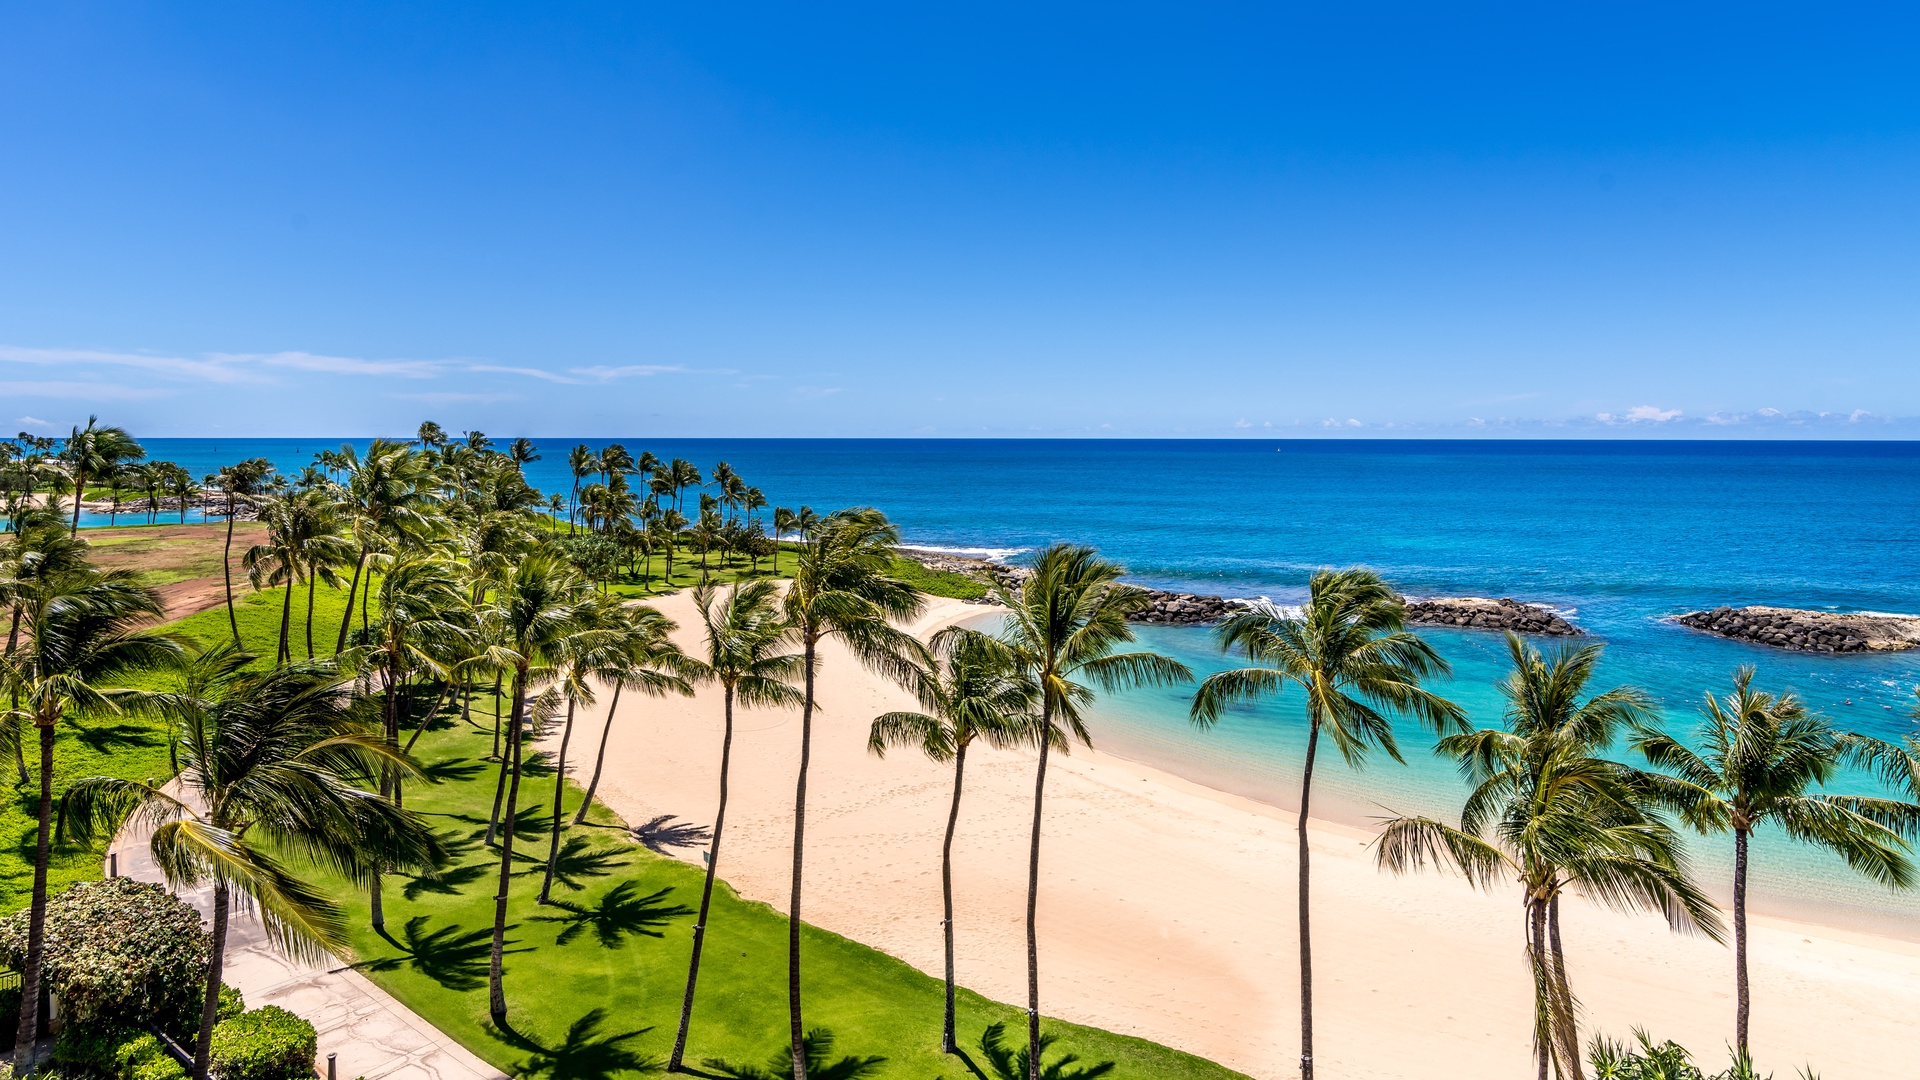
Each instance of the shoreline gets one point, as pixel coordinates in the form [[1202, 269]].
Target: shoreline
[[1166, 904]]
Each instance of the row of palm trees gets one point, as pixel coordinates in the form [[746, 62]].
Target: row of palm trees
[[471, 588], [93, 455], [1549, 810]]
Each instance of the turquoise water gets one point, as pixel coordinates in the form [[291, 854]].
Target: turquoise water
[[1617, 535]]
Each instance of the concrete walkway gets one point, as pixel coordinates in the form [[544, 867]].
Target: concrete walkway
[[371, 1034]]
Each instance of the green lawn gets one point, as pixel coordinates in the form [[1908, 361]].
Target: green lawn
[[133, 748], [594, 981]]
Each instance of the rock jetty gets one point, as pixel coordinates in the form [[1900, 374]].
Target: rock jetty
[[1808, 631], [1163, 608], [1182, 609], [1480, 613]]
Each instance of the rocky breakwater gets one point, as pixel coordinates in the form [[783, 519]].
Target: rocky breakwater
[[1182, 609], [1808, 631], [1480, 613]]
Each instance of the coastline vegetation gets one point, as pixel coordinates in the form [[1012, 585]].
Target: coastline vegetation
[[408, 618]]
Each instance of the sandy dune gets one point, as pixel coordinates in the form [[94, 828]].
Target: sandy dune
[[1167, 908]]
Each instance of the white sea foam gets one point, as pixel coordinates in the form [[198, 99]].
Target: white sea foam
[[990, 554]]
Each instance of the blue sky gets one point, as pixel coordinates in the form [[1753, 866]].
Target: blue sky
[[896, 220]]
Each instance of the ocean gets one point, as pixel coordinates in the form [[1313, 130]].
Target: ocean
[[1618, 536]]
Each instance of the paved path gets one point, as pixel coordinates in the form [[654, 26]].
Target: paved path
[[373, 1035]]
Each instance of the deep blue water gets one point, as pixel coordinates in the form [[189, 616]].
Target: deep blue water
[[1619, 535]]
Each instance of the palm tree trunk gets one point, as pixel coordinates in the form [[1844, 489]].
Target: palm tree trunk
[[1033, 897], [1563, 990], [500, 791], [586, 803], [284, 652], [496, 721], [496, 989], [226, 569], [353, 590], [1742, 1001], [799, 848], [29, 1028], [216, 961], [559, 799], [310, 585], [1306, 932], [1543, 993], [706, 891], [20, 751], [79, 494], [439, 700], [948, 1045]]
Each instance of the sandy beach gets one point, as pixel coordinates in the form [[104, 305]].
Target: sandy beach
[[1167, 908]]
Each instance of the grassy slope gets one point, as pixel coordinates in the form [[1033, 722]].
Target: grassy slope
[[133, 748], [594, 982], [170, 552]]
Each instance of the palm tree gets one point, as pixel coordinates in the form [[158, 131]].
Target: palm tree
[[304, 542], [389, 501], [181, 487], [706, 534], [430, 436], [522, 453], [683, 475], [745, 633], [1760, 753], [533, 615], [842, 586], [241, 482], [976, 692], [582, 462], [96, 451], [1552, 813], [644, 658], [78, 629], [419, 625], [593, 647], [668, 530], [1062, 629], [274, 763], [1349, 651]]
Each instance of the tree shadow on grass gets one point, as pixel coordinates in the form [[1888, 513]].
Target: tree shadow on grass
[[447, 882], [817, 1046], [578, 860], [1012, 1063], [441, 772], [619, 914], [106, 737], [583, 1054], [667, 831], [455, 959]]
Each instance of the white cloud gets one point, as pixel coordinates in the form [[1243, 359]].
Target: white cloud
[[1653, 413], [217, 369], [351, 365], [606, 373], [82, 391], [33, 421], [1242, 423], [454, 397]]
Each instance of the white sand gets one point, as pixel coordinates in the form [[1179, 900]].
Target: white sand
[[1167, 909]]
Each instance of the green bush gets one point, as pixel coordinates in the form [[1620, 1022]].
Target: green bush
[[119, 952], [184, 1022], [118, 1053], [268, 1043]]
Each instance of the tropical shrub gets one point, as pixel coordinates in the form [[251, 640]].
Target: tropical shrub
[[268, 1043], [119, 1053], [119, 952], [1613, 1060], [184, 1023]]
